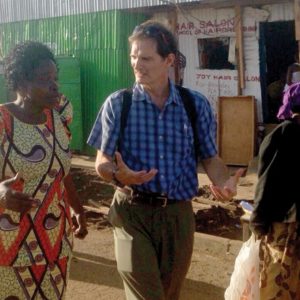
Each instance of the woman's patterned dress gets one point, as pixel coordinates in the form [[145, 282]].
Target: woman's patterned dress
[[35, 248]]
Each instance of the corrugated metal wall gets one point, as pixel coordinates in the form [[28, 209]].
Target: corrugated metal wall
[[18, 10], [98, 40], [280, 11], [3, 89], [70, 85]]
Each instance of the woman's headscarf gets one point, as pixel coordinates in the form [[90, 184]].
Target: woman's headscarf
[[291, 98]]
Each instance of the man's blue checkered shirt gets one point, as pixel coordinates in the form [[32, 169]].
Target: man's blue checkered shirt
[[158, 139]]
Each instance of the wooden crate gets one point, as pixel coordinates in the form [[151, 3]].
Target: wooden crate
[[237, 129]]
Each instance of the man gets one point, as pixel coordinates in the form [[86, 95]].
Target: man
[[155, 169]]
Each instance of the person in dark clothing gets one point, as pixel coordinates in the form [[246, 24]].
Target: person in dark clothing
[[276, 214], [293, 71]]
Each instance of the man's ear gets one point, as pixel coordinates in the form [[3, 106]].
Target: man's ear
[[170, 59]]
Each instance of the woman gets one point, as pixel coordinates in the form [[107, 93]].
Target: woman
[[276, 215], [293, 74], [293, 71], [35, 221]]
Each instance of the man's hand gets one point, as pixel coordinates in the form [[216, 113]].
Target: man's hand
[[128, 177], [16, 201], [229, 189]]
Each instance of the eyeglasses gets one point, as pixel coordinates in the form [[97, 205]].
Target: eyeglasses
[[151, 31]]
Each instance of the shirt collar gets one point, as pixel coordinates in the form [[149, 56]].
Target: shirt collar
[[139, 94]]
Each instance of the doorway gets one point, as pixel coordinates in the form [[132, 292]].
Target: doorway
[[277, 51]]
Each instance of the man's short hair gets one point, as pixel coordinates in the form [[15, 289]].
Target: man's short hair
[[165, 40]]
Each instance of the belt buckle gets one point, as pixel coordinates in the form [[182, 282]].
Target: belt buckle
[[164, 199], [127, 191]]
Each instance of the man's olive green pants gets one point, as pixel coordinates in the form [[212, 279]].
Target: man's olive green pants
[[153, 247]]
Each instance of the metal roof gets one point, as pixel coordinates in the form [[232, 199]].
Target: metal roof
[[19, 10]]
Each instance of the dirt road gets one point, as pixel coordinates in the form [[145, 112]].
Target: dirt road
[[94, 275]]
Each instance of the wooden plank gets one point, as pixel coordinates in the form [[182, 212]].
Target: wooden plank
[[237, 129], [239, 47], [224, 3], [173, 20], [297, 19], [297, 24]]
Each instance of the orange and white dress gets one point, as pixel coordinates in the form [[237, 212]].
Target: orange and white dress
[[35, 248]]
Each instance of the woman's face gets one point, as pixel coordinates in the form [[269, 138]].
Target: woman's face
[[42, 90]]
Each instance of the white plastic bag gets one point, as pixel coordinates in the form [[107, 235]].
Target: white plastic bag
[[244, 281]]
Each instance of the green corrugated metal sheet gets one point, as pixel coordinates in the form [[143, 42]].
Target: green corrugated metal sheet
[[3, 90], [70, 86], [98, 40]]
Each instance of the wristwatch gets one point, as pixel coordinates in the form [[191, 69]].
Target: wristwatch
[[115, 180]]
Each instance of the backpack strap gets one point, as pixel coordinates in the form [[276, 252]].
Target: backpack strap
[[126, 104], [190, 108]]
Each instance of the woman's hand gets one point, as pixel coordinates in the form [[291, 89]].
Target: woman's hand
[[79, 226], [14, 200]]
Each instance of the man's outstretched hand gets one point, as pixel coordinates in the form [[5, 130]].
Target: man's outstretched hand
[[128, 177], [229, 189]]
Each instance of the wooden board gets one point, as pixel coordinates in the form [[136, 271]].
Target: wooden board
[[237, 129], [297, 19]]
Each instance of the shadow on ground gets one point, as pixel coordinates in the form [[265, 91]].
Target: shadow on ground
[[102, 271]]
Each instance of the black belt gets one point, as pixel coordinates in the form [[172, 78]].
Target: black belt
[[152, 199]]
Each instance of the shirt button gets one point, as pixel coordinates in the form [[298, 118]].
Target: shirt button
[[33, 245], [51, 266], [52, 173], [160, 137], [46, 132], [44, 187], [161, 157], [58, 279], [21, 269], [39, 257], [28, 282]]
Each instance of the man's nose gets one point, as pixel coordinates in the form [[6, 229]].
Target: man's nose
[[137, 64]]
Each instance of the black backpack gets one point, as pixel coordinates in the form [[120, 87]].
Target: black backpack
[[189, 106]]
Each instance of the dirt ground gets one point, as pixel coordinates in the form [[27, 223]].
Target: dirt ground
[[217, 241], [212, 217]]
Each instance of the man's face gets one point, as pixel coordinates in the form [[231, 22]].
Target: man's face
[[148, 66]]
